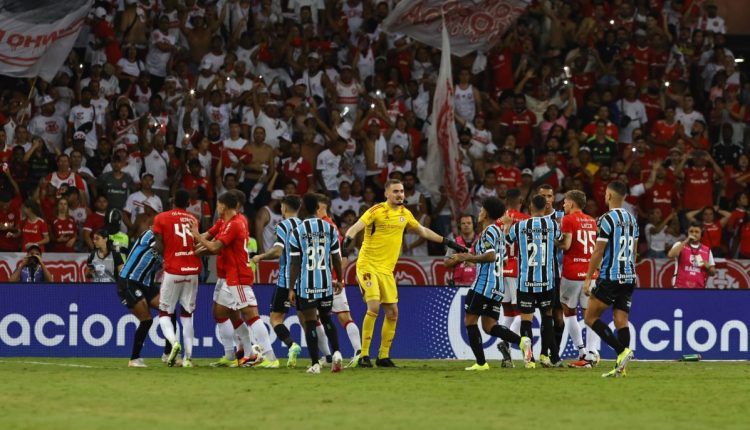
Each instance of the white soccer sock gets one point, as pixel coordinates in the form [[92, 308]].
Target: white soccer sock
[[515, 326], [226, 334], [167, 329], [243, 339], [188, 334], [354, 336], [322, 340], [507, 321], [593, 342], [260, 333], [574, 330]]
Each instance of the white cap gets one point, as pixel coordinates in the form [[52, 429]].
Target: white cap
[[100, 12], [314, 55], [79, 135], [205, 64], [153, 202], [277, 194], [300, 82], [286, 136], [527, 171], [47, 100]]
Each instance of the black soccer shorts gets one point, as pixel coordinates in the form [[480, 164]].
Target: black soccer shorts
[[615, 294], [131, 292], [478, 304], [527, 302]]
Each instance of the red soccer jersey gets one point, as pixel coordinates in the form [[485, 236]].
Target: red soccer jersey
[[10, 220], [190, 182], [502, 70], [179, 252], [745, 241], [298, 171], [32, 232], [582, 229], [521, 125], [610, 130], [62, 227], [698, 188], [94, 222], [510, 268], [510, 176], [234, 236], [213, 232], [711, 234], [662, 196]]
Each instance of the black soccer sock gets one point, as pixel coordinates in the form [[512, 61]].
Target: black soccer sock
[[505, 334], [330, 329], [167, 345], [312, 341], [140, 336], [283, 333], [623, 335], [475, 341], [548, 338], [605, 333], [526, 329], [559, 329]]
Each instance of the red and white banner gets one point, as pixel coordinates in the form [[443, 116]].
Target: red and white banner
[[442, 144], [37, 35], [471, 24]]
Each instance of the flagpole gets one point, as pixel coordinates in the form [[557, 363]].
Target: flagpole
[[31, 90]]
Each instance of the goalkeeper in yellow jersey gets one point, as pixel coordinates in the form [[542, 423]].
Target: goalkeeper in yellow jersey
[[384, 226]]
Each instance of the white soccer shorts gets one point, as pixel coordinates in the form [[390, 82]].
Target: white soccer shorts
[[571, 294], [236, 297], [178, 288], [511, 290], [340, 303], [217, 288]]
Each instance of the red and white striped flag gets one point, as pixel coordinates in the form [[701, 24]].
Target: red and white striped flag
[[443, 161]]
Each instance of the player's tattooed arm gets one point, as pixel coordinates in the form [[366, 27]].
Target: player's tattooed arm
[[272, 254]]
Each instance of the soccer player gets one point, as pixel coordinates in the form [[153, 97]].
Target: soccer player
[[579, 239], [314, 247], [236, 292], [173, 238], [536, 238], [231, 326], [290, 206], [384, 226], [138, 292], [616, 243], [557, 215], [340, 302], [486, 293], [511, 315]]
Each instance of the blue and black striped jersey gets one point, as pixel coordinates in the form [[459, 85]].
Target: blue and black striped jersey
[[315, 241], [536, 260], [143, 261], [557, 216], [283, 230], [619, 228], [489, 276]]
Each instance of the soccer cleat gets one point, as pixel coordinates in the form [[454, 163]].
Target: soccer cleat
[[294, 352], [164, 358], [239, 353], [528, 354], [336, 365], [545, 361], [385, 362], [478, 367], [172, 359], [326, 361], [364, 361], [246, 362], [353, 363], [138, 362], [530, 365], [623, 359], [581, 364], [558, 364], [187, 363], [314, 369], [504, 349], [224, 362], [507, 364], [612, 374], [269, 364]]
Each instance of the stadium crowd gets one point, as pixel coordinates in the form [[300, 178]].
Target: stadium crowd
[[286, 97]]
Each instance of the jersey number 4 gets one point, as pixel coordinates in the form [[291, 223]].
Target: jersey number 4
[[183, 231]]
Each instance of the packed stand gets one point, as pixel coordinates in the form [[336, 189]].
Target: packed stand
[[276, 98]]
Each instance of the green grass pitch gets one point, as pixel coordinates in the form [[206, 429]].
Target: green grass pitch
[[43, 393]]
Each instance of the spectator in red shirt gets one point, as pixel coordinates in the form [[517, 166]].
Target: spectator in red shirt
[[712, 228], [95, 220], [665, 132], [64, 230], [610, 128], [507, 173], [742, 240], [193, 179], [34, 230], [10, 220], [698, 180], [520, 122], [660, 193], [297, 169], [737, 177]]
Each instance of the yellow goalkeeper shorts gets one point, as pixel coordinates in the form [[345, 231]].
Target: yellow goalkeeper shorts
[[377, 286]]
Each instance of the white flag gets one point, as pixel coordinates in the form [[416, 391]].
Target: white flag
[[443, 162], [472, 24], [36, 36]]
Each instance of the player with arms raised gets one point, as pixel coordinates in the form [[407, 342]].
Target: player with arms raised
[[314, 247], [536, 238], [616, 242], [484, 297], [237, 292], [579, 239], [181, 268], [384, 226]]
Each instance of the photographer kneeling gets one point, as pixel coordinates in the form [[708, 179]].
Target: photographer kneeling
[[31, 269]]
